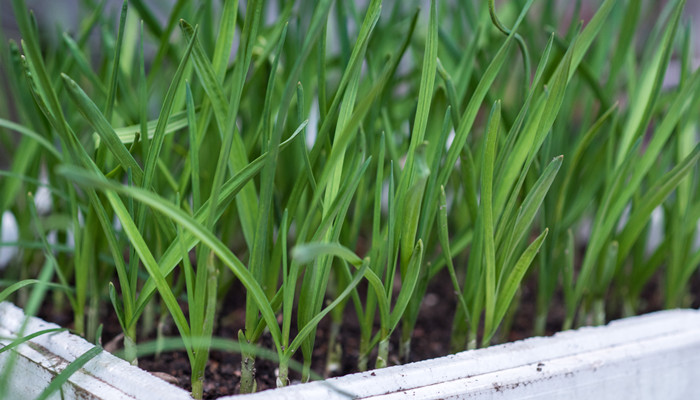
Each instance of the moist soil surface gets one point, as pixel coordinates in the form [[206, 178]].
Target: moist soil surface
[[431, 336]]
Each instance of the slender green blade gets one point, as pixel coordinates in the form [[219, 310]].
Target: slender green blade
[[512, 283], [101, 124], [655, 196], [72, 368], [486, 210]]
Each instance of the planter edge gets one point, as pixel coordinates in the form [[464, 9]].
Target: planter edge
[[103, 377], [651, 356], [646, 357]]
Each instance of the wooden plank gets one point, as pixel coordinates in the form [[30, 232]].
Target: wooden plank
[[647, 357], [105, 377]]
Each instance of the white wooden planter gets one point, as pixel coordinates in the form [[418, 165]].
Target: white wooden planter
[[105, 377], [656, 356]]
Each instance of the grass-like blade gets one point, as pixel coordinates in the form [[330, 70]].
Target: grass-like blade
[[64, 375], [101, 124], [512, 283]]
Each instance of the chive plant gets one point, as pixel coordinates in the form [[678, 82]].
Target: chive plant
[[338, 158]]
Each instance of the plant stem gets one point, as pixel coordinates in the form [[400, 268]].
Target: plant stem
[[335, 351], [363, 358], [149, 314], [460, 331], [79, 321], [568, 323], [540, 324], [197, 380], [507, 322], [598, 311], [628, 307], [472, 341], [93, 317], [383, 353], [248, 384], [283, 376], [160, 333], [306, 370], [405, 350], [130, 346]]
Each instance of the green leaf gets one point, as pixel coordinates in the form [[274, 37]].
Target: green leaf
[[28, 282], [580, 147], [33, 135], [607, 272], [655, 196], [535, 131], [112, 94], [165, 111], [224, 40], [408, 285], [83, 64], [72, 368], [24, 339], [486, 210], [512, 283], [128, 134], [585, 40], [425, 95], [100, 123], [469, 115], [194, 150], [648, 91], [443, 234], [529, 208], [117, 306], [308, 252], [411, 207]]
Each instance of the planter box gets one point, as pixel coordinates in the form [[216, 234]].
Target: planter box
[[655, 356], [105, 377]]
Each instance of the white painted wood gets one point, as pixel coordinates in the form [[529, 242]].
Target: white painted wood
[[105, 377], [656, 356]]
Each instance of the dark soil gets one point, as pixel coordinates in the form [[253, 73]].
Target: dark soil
[[431, 337]]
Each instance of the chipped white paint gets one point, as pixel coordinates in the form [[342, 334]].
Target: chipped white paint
[[656, 356], [104, 377]]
